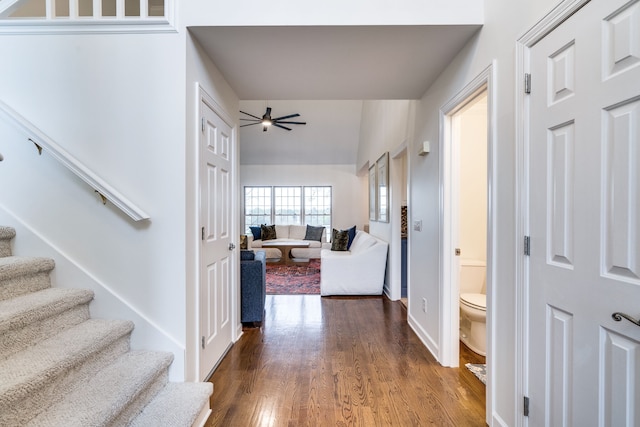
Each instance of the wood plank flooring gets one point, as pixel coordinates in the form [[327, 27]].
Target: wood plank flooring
[[340, 362]]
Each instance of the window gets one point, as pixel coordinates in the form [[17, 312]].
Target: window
[[317, 206], [287, 205], [257, 206]]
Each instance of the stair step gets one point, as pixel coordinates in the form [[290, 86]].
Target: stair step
[[30, 318], [34, 379], [114, 395], [6, 235], [21, 275], [177, 405]]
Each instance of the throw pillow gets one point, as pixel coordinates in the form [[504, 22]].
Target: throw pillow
[[314, 233], [256, 231], [339, 240], [352, 234], [247, 255], [268, 232]]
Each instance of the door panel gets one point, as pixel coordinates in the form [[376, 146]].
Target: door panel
[[585, 219], [217, 261]]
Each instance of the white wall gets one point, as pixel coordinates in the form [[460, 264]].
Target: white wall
[[505, 21], [387, 126], [473, 181], [102, 99], [201, 72], [349, 197]]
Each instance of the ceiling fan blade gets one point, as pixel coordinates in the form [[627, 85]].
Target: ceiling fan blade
[[286, 117], [251, 120], [250, 124], [259, 118], [280, 126], [291, 123]]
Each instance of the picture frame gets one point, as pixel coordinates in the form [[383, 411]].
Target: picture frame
[[373, 195], [382, 177]]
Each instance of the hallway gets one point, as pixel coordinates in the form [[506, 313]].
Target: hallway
[[339, 362]]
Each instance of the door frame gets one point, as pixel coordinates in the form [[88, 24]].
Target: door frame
[[236, 327], [548, 23], [449, 287]]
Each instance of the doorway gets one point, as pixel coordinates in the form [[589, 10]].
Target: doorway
[[217, 295], [467, 214]]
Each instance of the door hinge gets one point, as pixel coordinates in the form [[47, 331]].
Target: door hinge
[[202, 123], [458, 252], [527, 83], [203, 342], [525, 406], [527, 245], [202, 233]]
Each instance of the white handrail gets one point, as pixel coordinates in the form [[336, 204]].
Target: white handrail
[[60, 154]]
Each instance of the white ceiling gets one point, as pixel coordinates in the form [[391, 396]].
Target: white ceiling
[[324, 73]]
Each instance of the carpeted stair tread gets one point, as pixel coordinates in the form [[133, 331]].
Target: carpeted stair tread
[[29, 308], [177, 405], [21, 275], [101, 400], [25, 372], [6, 235], [13, 266]]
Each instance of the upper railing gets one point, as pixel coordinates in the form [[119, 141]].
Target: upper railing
[[19, 16], [43, 142]]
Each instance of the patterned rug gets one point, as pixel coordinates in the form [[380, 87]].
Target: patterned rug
[[294, 279], [479, 370]]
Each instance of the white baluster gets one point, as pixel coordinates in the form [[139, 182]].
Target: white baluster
[[120, 9], [51, 9], [73, 9], [144, 9], [97, 8]]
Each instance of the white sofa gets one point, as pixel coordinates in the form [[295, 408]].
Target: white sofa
[[358, 271], [289, 233]]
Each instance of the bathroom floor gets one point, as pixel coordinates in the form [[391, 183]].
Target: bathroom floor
[[468, 356]]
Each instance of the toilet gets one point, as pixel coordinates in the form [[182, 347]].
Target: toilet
[[473, 305]]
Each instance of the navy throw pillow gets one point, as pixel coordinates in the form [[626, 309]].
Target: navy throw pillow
[[352, 234], [256, 231], [314, 233]]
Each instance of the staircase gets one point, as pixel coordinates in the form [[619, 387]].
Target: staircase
[[60, 367]]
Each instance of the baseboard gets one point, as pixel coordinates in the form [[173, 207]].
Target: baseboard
[[203, 417], [426, 339]]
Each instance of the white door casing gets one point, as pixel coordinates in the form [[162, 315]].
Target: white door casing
[[448, 352], [217, 261], [584, 219]]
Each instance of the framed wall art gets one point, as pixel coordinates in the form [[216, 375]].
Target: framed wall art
[[382, 175], [373, 195]]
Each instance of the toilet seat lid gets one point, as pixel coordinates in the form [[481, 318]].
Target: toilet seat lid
[[478, 301]]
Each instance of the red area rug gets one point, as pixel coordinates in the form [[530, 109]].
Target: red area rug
[[294, 279]]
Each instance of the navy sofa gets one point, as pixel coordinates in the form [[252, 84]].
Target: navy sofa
[[253, 291]]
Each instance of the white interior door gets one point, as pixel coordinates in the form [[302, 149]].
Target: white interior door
[[584, 367], [217, 261]]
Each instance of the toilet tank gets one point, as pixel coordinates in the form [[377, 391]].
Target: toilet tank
[[473, 275]]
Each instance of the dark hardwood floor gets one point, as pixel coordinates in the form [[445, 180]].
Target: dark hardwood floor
[[340, 362]]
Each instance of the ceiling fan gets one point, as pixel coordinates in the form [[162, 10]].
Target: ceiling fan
[[266, 121]]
